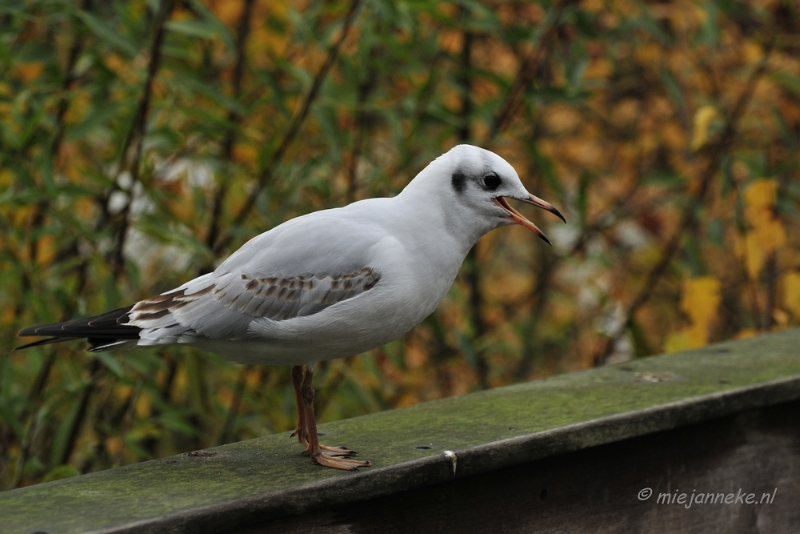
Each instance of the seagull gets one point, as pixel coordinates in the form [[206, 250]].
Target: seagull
[[328, 284]]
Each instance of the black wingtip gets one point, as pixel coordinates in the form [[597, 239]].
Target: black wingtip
[[29, 331], [41, 341], [105, 330]]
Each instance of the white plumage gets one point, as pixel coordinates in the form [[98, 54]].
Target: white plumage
[[331, 283]]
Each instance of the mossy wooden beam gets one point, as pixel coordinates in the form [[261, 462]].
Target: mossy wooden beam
[[257, 481]]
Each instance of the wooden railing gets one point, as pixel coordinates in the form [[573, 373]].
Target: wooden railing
[[612, 449]]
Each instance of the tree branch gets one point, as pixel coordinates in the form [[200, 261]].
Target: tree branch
[[689, 219], [527, 71], [243, 31], [137, 132], [278, 154]]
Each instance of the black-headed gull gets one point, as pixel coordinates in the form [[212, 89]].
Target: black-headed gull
[[328, 284]]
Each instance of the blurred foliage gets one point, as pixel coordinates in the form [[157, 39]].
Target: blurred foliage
[[140, 140]]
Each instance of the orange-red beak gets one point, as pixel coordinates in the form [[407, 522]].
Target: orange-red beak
[[518, 218]]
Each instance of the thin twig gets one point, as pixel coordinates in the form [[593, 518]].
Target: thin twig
[[272, 162], [546, 266], [771, 271], [126, 419], [235, 407], [234, 117], [36, 221], [333, 379], [137, 132], [80, 415], [529, 66], [360, 119]]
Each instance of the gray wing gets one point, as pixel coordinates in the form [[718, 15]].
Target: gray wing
[[291, 271]]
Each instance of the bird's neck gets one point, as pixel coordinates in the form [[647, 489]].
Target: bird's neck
[[439, 220]]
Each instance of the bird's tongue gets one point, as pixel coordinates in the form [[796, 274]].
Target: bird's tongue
[[518, 218]]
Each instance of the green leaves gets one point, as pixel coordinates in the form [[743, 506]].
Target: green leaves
[[596, 105], [108, 34]]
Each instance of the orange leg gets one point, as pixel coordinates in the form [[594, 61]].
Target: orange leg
[[306, 432], [301, 432]]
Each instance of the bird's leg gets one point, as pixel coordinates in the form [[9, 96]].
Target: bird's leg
[[322, 454], [301, 431], [298, 376]]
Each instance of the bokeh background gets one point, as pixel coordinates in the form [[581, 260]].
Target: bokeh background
[[141, 141]]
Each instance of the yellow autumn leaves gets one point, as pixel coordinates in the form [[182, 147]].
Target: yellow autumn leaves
[[791, 293], [702, 122], [766, 233], [699, 301], [764, 237]]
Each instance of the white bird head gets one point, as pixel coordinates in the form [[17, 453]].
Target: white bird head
[[478, 183]]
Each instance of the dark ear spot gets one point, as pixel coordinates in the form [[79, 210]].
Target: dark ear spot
[[458, 181]]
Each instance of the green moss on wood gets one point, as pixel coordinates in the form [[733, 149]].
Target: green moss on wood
[[268, 477]]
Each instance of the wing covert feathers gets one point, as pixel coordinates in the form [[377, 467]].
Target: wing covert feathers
[[213, 306], [224, 305]]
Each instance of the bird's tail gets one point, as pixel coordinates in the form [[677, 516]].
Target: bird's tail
[[101, 331]]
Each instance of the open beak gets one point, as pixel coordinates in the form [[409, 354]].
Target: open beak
[[518, 218]]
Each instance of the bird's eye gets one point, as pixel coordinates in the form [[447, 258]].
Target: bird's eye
[[491, 181]]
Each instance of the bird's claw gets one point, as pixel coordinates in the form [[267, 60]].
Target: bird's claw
[[338, 462], [336, 451]]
